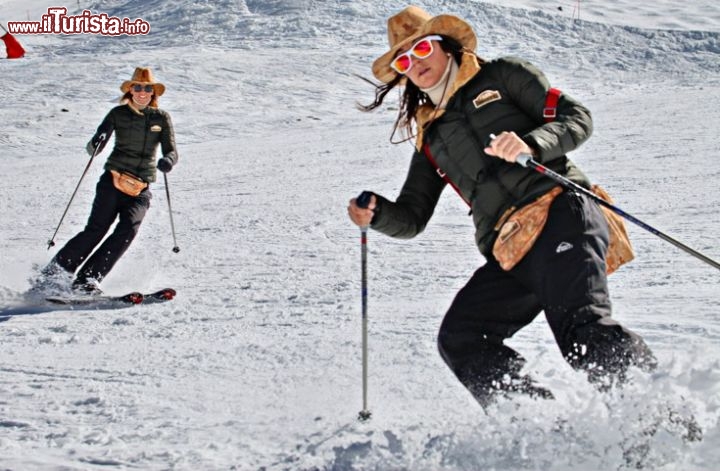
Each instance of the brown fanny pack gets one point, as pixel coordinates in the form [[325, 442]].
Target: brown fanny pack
[[620, 250], [128, 183], [519, 229]]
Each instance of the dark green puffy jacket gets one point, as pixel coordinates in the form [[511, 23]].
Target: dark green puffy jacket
[[504, 95], [137, 135]]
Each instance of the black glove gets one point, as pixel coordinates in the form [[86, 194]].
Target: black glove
[[90, 148], [97, 140], [164, 165]]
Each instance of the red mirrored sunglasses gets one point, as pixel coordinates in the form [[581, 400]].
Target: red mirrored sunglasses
[[422, 49]]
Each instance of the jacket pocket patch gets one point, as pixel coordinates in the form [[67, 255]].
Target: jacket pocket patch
[[155, 128], [485, 97]]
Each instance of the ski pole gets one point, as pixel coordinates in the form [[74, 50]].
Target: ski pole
[[363, 201], [101, 138], [527, 161], [175, 249]]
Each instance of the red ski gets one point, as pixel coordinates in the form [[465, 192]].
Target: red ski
[[134, 297]]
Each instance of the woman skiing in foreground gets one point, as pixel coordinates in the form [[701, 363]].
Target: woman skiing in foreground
[[545, 248], [123, 191]]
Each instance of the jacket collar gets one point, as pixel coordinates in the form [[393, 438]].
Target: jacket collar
[[427, 113], [134, 109]]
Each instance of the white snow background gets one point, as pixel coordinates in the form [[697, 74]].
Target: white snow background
[[256, 365]]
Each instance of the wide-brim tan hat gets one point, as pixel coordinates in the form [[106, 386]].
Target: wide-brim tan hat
[[143, 76], [413, 23]]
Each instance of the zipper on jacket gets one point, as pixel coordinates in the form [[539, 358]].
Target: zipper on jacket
[[142, 152]]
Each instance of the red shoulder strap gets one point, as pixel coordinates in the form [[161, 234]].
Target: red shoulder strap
[[551, 102], [441, 174]]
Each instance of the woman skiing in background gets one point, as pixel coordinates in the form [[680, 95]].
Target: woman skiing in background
[[123, 191], [452, 102]]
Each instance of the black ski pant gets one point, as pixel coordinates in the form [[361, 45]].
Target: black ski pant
[[109, 204], [562, 275]]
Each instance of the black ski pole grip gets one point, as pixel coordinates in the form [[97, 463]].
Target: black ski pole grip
[[363, 200], [490, 138]]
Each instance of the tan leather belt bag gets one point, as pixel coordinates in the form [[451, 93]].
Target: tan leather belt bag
[[518, 231], [128, 183]]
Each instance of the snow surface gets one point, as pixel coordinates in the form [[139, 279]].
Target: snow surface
[[257, 363]]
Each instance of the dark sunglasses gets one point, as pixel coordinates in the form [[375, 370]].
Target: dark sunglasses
[[145, 88]]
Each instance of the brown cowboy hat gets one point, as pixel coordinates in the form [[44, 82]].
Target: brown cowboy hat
[[413, 23], [143, 76]]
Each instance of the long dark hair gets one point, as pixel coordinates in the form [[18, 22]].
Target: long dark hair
[[412, 97]]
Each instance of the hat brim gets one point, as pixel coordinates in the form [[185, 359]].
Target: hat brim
[[158, 88], [446, 25]]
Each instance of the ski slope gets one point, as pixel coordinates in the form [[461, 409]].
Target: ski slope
[[256, 364]]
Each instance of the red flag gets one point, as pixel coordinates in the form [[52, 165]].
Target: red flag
[[14, 49]]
